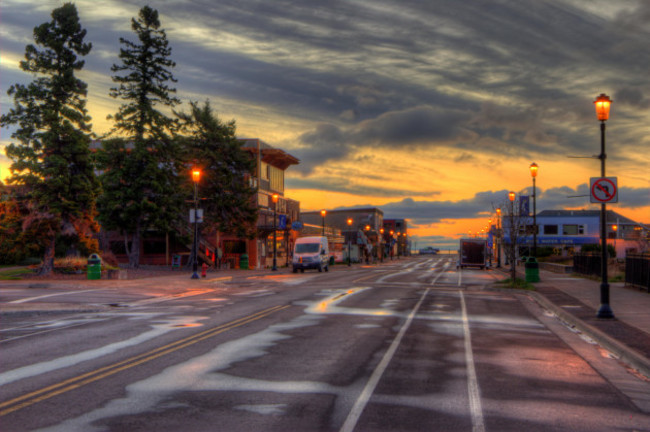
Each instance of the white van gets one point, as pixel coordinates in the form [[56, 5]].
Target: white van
[[311, 253]]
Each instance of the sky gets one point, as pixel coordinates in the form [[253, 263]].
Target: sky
[[430, 110]]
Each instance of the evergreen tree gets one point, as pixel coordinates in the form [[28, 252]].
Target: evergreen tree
[[226, 168], [140, 181], [52, 158]]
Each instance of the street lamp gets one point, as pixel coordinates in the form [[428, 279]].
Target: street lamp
[[603, 103], [349, 243], [499, 237], [196, 176], [367, 228], [381, 248], [533, 173], [391, 244], [275, 198], [323, 213], [513, 270]]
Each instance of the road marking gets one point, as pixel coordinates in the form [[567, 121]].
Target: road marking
[[440, 274], [353, 417], [476, 410], [34, 397], [28, 299]]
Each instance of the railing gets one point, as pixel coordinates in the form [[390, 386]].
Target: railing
[[637, 270], [587, 263]]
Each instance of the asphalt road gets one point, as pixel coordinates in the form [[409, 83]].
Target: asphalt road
[[413, 345]]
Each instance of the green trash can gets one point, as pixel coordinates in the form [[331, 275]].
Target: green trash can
[[532, 270], [243, 262], [94, 267]]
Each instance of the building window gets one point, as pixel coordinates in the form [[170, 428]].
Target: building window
[[550, 229], [573, 229], [276, 179], [264, 171]]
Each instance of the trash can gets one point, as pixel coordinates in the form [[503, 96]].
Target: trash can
[[94, 267], [243, 262], [532, 270]]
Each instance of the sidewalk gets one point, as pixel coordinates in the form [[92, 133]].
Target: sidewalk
[[576, 300]]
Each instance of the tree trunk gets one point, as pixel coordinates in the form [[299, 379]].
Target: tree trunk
[[48, 259], [134, 253]]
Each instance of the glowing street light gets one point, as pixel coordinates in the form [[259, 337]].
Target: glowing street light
[[513, 270], [499, 237], [533, 173], [602, 104], [349, 244], [381, 248], [196, 176], [275, 198], [323, 213]]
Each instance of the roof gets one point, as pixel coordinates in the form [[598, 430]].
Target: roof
[[612, 216], [271, 155]]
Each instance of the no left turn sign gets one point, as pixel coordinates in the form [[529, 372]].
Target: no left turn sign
[[603, 190]]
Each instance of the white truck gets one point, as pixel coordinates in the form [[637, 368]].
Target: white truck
[[310, 253]]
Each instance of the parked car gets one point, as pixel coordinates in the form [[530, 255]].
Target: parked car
[[310, 253]]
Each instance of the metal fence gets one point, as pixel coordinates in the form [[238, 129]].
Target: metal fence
[[637, 270], [587, 263]]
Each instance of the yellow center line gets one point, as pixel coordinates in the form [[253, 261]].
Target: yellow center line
[[89, 377]]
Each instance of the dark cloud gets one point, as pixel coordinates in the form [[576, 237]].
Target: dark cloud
[[349, 186]]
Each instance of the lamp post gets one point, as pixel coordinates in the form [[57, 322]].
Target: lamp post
[[275, 198], [603, 103], [513, 260], [196, 176], [349, 243], [367, 229], [381, 246], [391, 244], [323, 213], [533, 173], [499, 237]]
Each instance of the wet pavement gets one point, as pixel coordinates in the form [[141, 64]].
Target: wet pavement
[[574, 300]]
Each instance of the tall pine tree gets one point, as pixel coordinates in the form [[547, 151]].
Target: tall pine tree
[[52, 158], [140, 181], [212, 145]]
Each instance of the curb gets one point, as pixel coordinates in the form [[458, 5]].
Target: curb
[[624, 353]]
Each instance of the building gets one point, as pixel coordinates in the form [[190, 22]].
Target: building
[[567, 231], [269, 180], [396, 234], [361, 237], [226, 249]]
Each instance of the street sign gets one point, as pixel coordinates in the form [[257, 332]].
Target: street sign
[[199, 215], [603, 190], [296, 225]]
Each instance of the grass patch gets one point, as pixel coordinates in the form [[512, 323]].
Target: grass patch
[[519, 284], [15, 274]]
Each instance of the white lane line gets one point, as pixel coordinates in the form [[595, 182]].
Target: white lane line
[[352, 419], [28, 299], [476, 410], [433, 282]]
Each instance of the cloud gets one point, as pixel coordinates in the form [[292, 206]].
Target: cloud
[[414, 127], [349, 186]]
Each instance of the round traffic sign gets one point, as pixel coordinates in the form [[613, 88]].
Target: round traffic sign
[[603, 190]]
